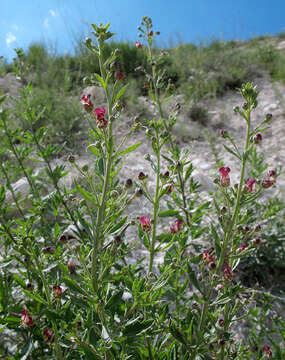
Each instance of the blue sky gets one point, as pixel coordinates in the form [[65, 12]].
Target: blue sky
[[60, 23]]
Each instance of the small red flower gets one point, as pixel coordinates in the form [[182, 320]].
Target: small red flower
[[257, 138], [100, 113], [119, 75], [176, 227], [243, 247], [145, 222], [271, 173], [267, 350], [86, 102], [225, 180], [272, 176], [26, 319], [249, 185], [57, 291], [49, 250], [256, 241], [267, 183], [223, 133], [71, 268], [228, 274], [207, 257], [100, 117], [169, 188], [48, 336], [138, 44]]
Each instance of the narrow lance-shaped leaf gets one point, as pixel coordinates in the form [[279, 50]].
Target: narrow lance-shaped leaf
[[231, 151], [129, 149]]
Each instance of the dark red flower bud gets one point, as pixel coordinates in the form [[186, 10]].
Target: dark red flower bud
[[142, 176], [223, 134], [29, 286], [243, 247], [71, 268], [78, 324], [166, 175], [119, 75], [267, 350], [257, 138], [48, 336], [169, 188], [221, 342], [221, 322], [129, 183], [57, 291], [150, 33], [63, 238], [256, 241], [139, 192], [48, 250], [71, 159], [26, 319]]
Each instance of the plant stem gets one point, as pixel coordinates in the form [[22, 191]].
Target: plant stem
[[98, 241], [155, 209]]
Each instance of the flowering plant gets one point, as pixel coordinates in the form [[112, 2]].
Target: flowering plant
[[68, 258]]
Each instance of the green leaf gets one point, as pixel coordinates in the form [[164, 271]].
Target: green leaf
[[121, 92], [100, 165], [192, 277], [189, 172], [136, 327], [170, 212], [129, 149], [35, 297], [217, 240], [223, 299], [11, 320], [102, 82], [177, 334], [231, 151], [86, 194], [152, 96], [114, 300], [118, 226], [89, 352], [20, 281], [73, 285], [27, 349]]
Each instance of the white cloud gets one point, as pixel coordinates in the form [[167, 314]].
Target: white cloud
[[10, 38], [53, 12], [46, 23], [15, 27]]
